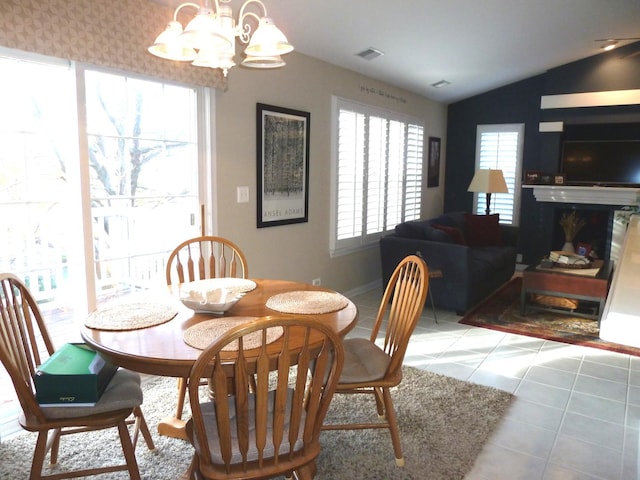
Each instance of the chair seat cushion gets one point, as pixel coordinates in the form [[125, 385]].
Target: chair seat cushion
[[364, 361], [210, 421], [123, 392]]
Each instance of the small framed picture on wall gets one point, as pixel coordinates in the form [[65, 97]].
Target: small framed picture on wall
[[433, 169]]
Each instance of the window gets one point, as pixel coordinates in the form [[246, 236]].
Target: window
[[500, 147], [143, 164], [377, 173], [100, 179]]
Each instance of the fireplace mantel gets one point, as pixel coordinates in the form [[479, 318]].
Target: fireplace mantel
[[592, 195]]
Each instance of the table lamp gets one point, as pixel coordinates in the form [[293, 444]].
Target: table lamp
[[488, 181]]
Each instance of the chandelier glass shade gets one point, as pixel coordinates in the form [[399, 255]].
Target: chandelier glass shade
[[209, 39]]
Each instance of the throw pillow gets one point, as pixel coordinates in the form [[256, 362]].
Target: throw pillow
[[455, 233], [483, 230]]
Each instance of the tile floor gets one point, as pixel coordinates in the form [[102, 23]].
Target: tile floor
[[576, 412]]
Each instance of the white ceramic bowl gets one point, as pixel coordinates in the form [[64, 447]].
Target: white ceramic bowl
[[199, 307]]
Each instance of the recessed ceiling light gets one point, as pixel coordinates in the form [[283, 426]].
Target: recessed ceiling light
[[441, 83], [610, 45], [370, 53]]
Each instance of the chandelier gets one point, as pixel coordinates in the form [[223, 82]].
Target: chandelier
[[209, 39]]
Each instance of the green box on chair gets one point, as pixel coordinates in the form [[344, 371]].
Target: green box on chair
[[75, 375]]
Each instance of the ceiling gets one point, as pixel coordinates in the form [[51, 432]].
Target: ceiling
[[476, 45]]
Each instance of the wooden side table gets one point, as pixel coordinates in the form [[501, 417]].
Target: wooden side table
[[557, 282]]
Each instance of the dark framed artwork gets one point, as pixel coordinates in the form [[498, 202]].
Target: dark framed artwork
[[433, 167], [283, 165]]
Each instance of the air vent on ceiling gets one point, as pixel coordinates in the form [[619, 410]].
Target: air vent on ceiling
[[370, 53], [441, 83]]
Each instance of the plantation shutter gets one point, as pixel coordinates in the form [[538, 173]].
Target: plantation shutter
[[413, 173], [378, 174], [350, 174], [500, 147]]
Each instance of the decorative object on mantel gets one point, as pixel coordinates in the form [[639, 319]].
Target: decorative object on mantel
[[488, 181], [571, 223], [208, 40], [536, 177]]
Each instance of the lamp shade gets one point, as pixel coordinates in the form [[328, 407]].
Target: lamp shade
[[488, 181], [268, 41]]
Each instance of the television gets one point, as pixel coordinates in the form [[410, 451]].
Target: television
[[601, 162]]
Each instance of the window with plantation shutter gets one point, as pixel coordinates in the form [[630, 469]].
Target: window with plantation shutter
[[500, 147], [376, 171]]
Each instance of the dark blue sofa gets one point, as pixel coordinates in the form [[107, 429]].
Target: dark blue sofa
[[474, 253]]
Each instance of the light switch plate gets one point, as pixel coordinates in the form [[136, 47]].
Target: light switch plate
[[242, 194]]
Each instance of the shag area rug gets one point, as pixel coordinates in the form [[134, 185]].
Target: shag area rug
[[444, 424], [501, 311]]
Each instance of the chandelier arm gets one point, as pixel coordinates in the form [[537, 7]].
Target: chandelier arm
[[244, 29], [187, 4]]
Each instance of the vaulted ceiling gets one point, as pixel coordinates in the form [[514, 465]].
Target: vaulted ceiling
[[476, 45]]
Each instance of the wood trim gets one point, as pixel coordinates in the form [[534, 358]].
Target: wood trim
[[591, 99]]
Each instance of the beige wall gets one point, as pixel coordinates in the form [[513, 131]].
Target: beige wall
[[115, 33], [301, 251]]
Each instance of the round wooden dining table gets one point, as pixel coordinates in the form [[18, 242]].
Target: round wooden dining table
[[161, 349]]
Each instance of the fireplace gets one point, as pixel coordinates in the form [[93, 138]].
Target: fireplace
[[600, 205], [594, 238]]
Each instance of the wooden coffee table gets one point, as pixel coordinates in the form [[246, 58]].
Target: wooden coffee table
[[567, 283]]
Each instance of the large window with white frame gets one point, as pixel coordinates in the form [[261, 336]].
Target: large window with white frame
[[101, 178], [377, 167], [500, 147]]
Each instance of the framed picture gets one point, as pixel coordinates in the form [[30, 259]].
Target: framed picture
[[559, 179], [283, 165], [536, 177], [433, 168]]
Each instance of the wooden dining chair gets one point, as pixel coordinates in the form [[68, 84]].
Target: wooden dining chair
[[201, 258], [24, 345], [274, 429], [205, 257], [374, 368]]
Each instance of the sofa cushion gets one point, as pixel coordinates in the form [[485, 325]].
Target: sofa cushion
[[485, 261], [438, 235], [483, 230], [455, 234], [422, 230], [411, 230], [451, 219]]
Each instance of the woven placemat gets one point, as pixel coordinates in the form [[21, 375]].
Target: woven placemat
[[130, 316], [307, 302], [201, 335]]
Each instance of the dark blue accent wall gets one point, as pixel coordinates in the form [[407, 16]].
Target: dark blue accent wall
[[520, 103]]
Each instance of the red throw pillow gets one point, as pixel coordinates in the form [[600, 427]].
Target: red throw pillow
[[483, 230], [455, 233]]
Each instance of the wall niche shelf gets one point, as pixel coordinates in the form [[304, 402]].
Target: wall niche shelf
[[584, 194]]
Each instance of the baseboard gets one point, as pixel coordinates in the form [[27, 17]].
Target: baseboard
[[377, 284]]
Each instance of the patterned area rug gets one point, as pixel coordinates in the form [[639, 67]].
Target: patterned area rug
[[444, 424], [501, 312]]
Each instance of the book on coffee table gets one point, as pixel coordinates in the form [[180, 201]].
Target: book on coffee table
[[567, 258]]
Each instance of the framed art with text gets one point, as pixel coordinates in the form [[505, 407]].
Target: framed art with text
[[433, 168], [283, 165]]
